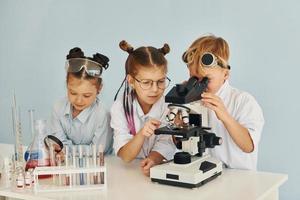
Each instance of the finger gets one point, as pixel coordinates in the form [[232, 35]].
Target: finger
[[213, 101], [150, 132], [210, 106], [147, 166], [143, 163], [155, 122], [207, 95], [152, 127], [147, 133], [146, 172]]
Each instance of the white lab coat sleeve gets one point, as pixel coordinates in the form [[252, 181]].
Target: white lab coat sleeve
[[165, 146], [250, 115], [121, 132], [164, 143]]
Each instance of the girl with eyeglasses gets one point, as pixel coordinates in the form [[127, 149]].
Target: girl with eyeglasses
[[141, 109], [81, 118], [232, 114]]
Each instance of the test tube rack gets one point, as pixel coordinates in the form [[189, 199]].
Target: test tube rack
[[58, 176]]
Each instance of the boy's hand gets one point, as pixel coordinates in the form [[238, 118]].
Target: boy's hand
[[214, 103], [146, 164], [150, 127]]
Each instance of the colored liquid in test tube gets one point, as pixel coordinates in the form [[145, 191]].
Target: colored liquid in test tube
[[87, 163], [80, 163], [67, 178], [94, 152], [101, 163], [74, 176]]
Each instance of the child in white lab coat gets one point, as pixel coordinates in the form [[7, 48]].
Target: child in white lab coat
[[142, 109], [233, 114]]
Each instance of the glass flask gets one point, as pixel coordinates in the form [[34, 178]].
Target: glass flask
[[38, 154]]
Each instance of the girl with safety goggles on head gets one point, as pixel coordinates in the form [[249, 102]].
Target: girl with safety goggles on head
[[141, 109], [81, 118], [233, 114]]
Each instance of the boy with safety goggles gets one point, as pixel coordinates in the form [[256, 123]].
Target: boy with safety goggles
[[233, 114], [81, 118]]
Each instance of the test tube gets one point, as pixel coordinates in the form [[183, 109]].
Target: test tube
[[80, 164], [74, 176], [95, 177], [101, 163], [58, 161], [67, 178], [87, 163]]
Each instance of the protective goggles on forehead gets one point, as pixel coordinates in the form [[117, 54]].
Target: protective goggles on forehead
[[210, 60], [92, 68]]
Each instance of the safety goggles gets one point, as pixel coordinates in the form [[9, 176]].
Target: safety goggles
[[210, 60], [92, 68]]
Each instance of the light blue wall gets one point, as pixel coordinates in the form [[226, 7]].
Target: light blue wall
[[263, 35]]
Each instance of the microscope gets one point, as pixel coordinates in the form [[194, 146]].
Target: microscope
[[192, 166]]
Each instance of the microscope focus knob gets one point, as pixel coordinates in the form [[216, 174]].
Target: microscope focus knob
[[218, 140], [211, 140], [182, 158]]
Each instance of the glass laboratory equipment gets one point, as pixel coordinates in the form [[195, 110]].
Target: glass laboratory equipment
[[38, 154]]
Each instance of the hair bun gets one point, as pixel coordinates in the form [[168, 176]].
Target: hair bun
[[101, 59], [76, 52], [125, 46], [165, 49]]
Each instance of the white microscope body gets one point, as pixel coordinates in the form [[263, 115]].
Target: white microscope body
[[192, 167]]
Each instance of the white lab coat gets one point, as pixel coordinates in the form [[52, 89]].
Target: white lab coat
[[245, 110], [160, 143]]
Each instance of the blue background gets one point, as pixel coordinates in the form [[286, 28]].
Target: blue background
[[263, 35]]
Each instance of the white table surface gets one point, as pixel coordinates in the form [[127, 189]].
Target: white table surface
[[126, 181]]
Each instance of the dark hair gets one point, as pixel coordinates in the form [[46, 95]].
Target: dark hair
[[147, 57], [97, 57]]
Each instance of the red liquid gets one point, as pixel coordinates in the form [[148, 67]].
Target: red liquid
[[35, 163]]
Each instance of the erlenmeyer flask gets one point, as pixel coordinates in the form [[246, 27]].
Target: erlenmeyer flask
[[38, 153]]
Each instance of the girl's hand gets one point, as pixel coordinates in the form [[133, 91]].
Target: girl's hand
[[216, 104], [149, 127], [146, 164]]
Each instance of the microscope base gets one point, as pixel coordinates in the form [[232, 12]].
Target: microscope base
[[200, 171]]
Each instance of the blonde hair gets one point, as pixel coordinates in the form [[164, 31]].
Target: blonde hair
[[208, 43]]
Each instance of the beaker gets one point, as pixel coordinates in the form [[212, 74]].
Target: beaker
[[38, 153]]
